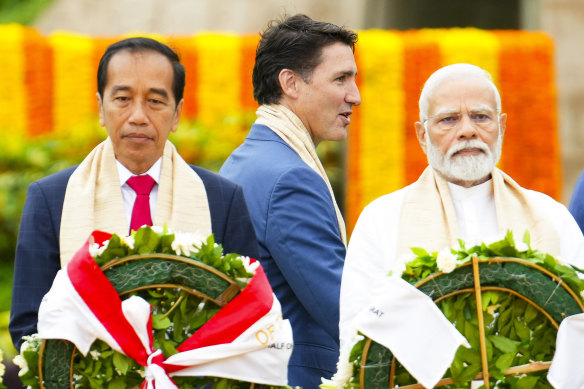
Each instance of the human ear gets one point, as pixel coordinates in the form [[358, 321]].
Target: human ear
[[421, 134], [502, 123], [100, 110], [177, 114], [289, 82]]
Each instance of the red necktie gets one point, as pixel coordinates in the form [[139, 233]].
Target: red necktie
[[142, 185]]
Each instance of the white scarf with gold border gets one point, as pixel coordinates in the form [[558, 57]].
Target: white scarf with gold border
[[428, 218], [290, 128], [93, 199]]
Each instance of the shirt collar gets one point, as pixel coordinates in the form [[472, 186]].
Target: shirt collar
[[154, 171], [478, 191]]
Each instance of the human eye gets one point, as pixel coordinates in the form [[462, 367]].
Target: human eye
[[121, 99], [481, 117], [448, 118], [157, 100]]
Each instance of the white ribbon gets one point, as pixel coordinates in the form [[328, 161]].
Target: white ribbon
[[156, 377], [407, 322], [566, 371]]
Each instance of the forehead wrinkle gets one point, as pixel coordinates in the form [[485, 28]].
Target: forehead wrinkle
[[481, 108], [445, 111]]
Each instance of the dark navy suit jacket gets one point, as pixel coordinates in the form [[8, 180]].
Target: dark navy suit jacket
[[37, 253], [300, 247], [577, 202]]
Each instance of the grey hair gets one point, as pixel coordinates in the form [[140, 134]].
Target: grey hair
[[457, 70]]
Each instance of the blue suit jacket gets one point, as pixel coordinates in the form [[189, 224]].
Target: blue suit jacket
[[300, 246], [37, 253], [577, 202]]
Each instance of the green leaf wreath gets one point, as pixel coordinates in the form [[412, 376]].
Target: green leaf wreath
[[516, 334], [176, 314]]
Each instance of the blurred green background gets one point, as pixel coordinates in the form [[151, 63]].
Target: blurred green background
[[16, 172]]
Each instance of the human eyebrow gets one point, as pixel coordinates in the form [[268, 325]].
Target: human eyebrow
[[346, 73], [445, 111], [119, 88], [161, 92]]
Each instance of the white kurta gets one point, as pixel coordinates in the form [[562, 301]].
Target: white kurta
[[372, 249]]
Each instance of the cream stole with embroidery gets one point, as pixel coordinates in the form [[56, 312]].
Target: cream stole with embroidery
[[292, 131], [93, 199], [428, 218]]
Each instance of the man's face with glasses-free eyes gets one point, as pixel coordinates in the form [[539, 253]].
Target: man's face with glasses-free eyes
[[463, 132]]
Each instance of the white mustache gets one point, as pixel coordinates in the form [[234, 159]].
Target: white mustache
[[469, 144]]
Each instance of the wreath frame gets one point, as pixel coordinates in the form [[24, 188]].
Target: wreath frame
[[203, 281], [378, 363]]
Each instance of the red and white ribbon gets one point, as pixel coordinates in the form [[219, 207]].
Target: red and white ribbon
[[246, 340]]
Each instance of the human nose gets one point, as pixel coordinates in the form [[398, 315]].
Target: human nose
[[467, 128], [353, 96], [138, 115]]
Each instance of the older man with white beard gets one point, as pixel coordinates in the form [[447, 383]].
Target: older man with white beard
[[461, 195]]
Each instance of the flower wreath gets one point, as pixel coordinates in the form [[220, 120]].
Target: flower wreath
[[188, 312], [524, 295]]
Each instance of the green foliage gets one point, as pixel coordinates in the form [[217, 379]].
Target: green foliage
[[425, 263], [515, 331], [21, 11]]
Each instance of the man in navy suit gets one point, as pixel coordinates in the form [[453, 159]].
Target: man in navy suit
[[140, 97], [304, 81]]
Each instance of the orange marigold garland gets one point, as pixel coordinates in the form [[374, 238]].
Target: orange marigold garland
[[187, 50], [422, 58], [38, 82], [530, 151], [248, 49]]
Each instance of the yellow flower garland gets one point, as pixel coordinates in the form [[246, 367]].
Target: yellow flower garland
[[74, 84], [381, 117], [13, 99]]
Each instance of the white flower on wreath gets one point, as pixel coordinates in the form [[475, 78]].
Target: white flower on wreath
[[249, 266], [185, 243], [521, 247], [2, 367], [446, 261], [128, 241], [21, 363], [95, 249], [158, 229], [344, 365], [30, 342], [95, 354], [399, 265]]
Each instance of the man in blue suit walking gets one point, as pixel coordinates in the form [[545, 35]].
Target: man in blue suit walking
[[140, 98], [304, 81]]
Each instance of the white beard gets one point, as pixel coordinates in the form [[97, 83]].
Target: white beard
[[465, 168]]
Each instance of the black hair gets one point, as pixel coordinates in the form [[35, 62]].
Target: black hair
[[294, 43], [143, 44]]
